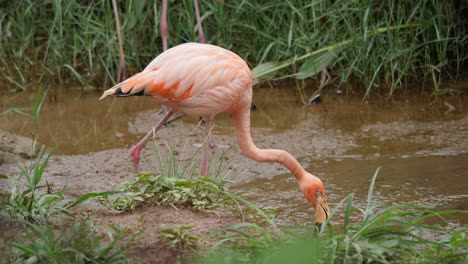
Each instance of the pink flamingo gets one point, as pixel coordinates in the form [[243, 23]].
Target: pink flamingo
[[205, 80]]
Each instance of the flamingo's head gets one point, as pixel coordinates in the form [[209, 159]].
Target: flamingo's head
[[312, 188]]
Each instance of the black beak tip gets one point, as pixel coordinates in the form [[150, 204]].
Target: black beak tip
[[318, 225]]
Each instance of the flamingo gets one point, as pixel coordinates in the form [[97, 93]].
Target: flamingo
[[205, 80]]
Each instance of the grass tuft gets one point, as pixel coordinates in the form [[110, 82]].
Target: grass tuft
[[201, 193], [176, 182], [28, 199], [32, 210], [179, 237], [79, 242]]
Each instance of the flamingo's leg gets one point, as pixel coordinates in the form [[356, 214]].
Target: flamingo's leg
[[204, 162], [211, 143], [135, 152], [163, 25], [201, 34]]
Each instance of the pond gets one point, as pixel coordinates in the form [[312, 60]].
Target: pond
[[422, 149]]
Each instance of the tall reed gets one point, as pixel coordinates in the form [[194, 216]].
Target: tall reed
[[75, 41]]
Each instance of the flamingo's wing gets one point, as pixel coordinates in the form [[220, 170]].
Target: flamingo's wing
[[181, 73]]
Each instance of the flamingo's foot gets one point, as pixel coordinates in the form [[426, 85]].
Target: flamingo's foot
[[135, 153], [163, 110], [213, 145]]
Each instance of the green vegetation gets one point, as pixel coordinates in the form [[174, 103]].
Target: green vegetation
[[200, 193], [176, 183], [74, 243], [373, 45], [28, 200], [179, 237], [34, 213]]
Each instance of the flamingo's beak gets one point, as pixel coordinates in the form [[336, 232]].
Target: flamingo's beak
[[322, 210]]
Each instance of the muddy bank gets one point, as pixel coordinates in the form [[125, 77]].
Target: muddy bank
[[150, 248], [16, 148]]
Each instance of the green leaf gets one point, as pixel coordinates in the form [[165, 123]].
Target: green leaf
[[22, 247], [390, 243], [139, 6], [371, 189], [13, 110], [3, 176], [88, 196], [315, 64], [32, 259], [139, 198], [40, 96], [78, 76], [265, 70]]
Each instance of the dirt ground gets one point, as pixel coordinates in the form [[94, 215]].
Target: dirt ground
[[150, 248]]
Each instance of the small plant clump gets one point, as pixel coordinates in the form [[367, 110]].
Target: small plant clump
[[28, 199], [76, 243], [200, 193], [179, 237], [31, 201]]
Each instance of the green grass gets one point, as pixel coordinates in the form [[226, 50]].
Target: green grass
[[37, 231], [78, 242], [74, 42], [41, 227], [178, 182], [201, 193], [29, 199], [178, 237]]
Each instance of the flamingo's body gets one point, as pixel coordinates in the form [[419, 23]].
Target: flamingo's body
[[197, 79], [205, 80]]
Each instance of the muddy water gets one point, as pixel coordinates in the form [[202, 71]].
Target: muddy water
[[422, 151]]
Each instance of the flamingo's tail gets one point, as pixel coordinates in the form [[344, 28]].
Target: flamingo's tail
[[134, 85]]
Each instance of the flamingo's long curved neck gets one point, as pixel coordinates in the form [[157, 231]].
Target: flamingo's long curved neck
[[244, 139]]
